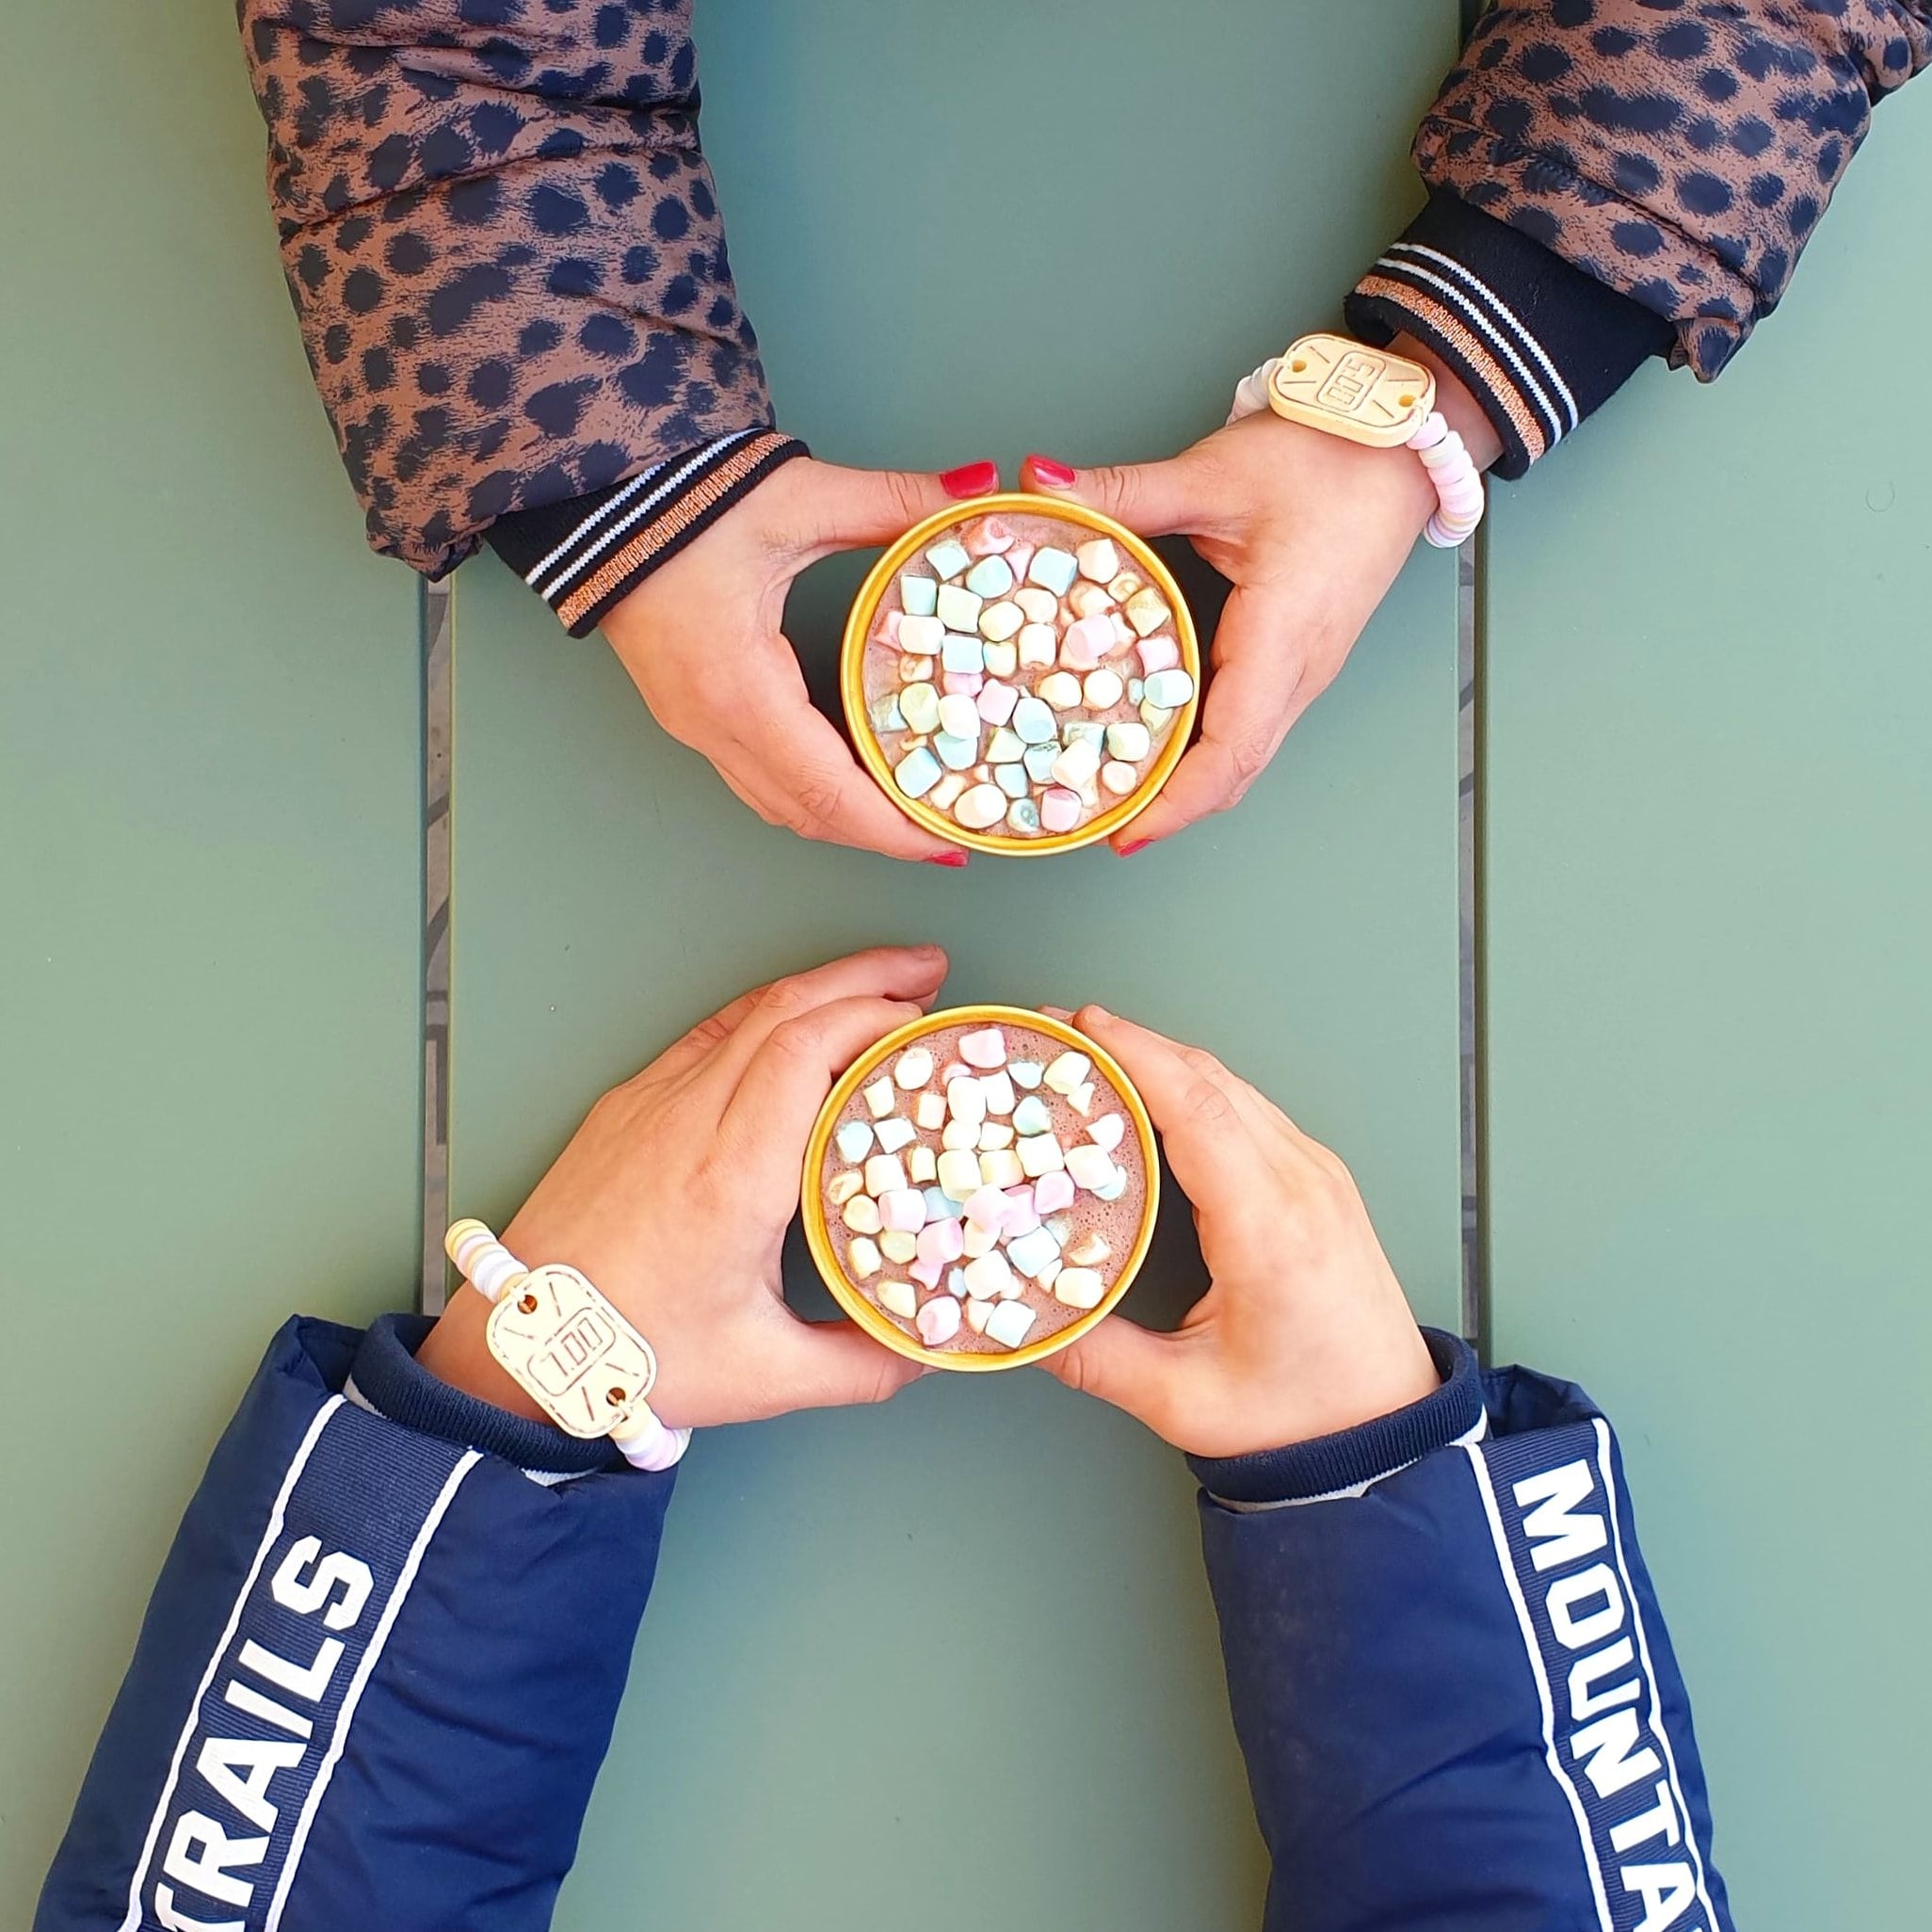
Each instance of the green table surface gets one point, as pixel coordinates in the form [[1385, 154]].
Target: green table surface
[[1707, 1047]]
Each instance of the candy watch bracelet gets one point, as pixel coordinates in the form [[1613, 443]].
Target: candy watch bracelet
[[1369, 397], [568, 1347]]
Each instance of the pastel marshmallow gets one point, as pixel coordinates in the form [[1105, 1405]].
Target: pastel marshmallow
[[1118, 779], [1040, 1153], [958, 1173], [992, 576], [1033, 1253], [1099, 560], [1001, 620], [1079, 1288], [879, 1097], [958, 609], [1103, 688], [989, 1277], [996, 702], [922, 1166], [895, 1133], [1129, 740], [1169, 689], [918, 596], [1052, 568], [884, 1173], [1067, 1071], [920, 702], [899, 1298], [1008, 1323], [1085, 642], [986, 1048], [947, 558], [1090, 1165], [998, 1089], [854, 1140], [938, 1320], [920, 637], [942, 1240], [897, 1246], [1052, 1192], [1001, 1167], [917, 772], [862, 1257], [930, 1110], [1059, 810], [1157, 654], [986, 1206], [1107, 1132], [980, 807], [1033, 722]]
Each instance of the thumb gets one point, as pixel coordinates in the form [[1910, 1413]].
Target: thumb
[[833, 1365], [1135, 1369], [1154, 499], [843, 509]]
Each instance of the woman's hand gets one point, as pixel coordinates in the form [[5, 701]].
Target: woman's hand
[[703, 640], [1303, 1330], [1310, 530], [674, 1195]]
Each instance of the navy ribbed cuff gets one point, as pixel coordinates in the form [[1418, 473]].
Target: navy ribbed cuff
[[1352, 1457], [1539, 343], [588, 553], [389, 1378]]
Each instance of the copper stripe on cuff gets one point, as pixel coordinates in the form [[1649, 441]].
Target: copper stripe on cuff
[[1482, 364], [700, 498]]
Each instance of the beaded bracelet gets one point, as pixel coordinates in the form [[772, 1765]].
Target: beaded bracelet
[[568, 1347], [1366, 395]]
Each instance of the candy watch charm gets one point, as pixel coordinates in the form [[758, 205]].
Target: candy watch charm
[[1382, 401], [568, 1347]]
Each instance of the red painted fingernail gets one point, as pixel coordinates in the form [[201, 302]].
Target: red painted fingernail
[[972, 480], [1046, 470], [956, 860], [1132, 847]]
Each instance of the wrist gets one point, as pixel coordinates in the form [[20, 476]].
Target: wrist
[[457, 1352], [1460, 409]]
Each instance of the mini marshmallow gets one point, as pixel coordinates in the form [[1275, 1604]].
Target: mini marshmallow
[[1147, 611], [1022, 816], [1129, 740], [938, 1320], [1038, 606], [995, 705], [995, 1136], [979, 807], [1052, 570], [1097, 561], [920, 702], [927, 1274], [1004, 747], [1011, 779], [958, 1173], [989, 537], [922, 1165], [966, 1101], [897, 1246], [895, 1131], [1001, 660], [1107, 1132], [1157, 654], [1115, 1188], [1039, 759], [1079, 1288], [918, 596], [1001, 1167], [959, 716], [1001, 620], [860, 1214], [902, 1209], [1154, 716], [1033, 1252], [1090, 1165], [1040, 1153], [987, 1048], [1038, 644], [854, 1140], [1008, 1323], [1059, 810], [1025, 1072], [992, 576], [942, 1240], [884, 1173], [980, 1239], [1033, 721], [1061, 689], [1066, 1072], [990, 1279], [1081, 1099], [1087, 641], [841, 1187], [1103, 688], [1076, 765], [947, 558], [862, 1257], [1119, 778], [917, 772], [998, 1089], [987, 1207], [978, 1313], [898, 1297], [940, 1205], [1169, 689], [961, 653], [1088, 1250], [1123, 586], [1031, 1115], [1052, 1192], [958, 609], [930, 1110], [913, 1068], [957, 754], [963, 684], [880, 1098], [920, 636], [959, 1134]]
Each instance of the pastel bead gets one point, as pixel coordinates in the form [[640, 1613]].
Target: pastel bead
[[918, 596], [947, 558], [1052, 1192], [1052, 570], [1032, 720], [1059, 810], [984, 1049], [938, 1320], [1169, 689], [917, 773], [992, 576], [980, 806]]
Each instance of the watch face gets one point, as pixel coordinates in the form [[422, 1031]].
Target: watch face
[[1364, 395], [571, 1351]]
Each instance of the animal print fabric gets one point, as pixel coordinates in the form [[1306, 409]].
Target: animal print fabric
[[1679, 151], [504, 248]]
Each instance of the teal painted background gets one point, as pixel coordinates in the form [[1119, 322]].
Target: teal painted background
[[1708, 812]]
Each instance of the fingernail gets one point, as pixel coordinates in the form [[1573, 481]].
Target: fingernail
[[954, 860], [1047, 470], [972, 480], [1132, 847]]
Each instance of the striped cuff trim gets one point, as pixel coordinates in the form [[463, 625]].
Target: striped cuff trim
[[652, 530]]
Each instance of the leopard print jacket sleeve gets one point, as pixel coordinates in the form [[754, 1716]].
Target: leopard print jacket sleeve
[[1611, 179], [504, 252]]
